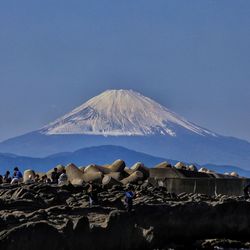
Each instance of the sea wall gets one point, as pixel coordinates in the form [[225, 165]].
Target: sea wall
[[203, 183]]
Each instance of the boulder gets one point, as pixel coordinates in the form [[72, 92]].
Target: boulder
[[33, 235]]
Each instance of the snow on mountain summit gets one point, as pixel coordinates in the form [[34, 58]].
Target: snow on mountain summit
[[122, 113]]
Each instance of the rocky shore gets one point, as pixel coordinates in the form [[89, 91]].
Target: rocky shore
[[43, 216]]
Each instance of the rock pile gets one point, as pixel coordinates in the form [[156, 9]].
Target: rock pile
[[42, 216], [47, 216]]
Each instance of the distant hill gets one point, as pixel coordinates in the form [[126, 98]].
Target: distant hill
[[99, 155]]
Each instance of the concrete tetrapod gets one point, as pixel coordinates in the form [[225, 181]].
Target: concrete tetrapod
[[93, 176], [133, 178], [95, 169], [128, 170], [203, 170], [82, 168], [75, 175], [140, 167], [115, 175], [117, 166], [108, 181], [163, 164], [180, 165], [234, 174], [192, 168], [28, 176]]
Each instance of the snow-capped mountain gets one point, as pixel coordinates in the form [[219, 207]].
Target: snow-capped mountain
[[122, 113], [129, 119]]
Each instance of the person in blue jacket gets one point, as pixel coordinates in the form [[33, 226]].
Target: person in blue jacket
[[129, 196], [17, 176]]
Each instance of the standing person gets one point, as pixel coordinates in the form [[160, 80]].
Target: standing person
[[63, 178], [7, 177], [17, 176], [129, 196], [55, 176], [246, 191], [92, 193]]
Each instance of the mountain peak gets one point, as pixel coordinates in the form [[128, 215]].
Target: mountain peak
[[122, 113]]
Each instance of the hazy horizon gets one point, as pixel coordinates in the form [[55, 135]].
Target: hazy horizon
[[192, 57]]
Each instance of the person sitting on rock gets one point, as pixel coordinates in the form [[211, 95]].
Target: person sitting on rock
[[37, 178], [63, 178], [7, 177], [55, 176], [129, 196], [17, 176], [92, 193], [45, 179]]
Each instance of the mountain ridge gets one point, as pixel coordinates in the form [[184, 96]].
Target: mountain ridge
[[104, 154]]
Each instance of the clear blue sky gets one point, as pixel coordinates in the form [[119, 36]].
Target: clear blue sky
[[192, 56]]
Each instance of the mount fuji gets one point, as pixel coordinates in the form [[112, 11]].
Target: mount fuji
[[122, 113], [129, 119]]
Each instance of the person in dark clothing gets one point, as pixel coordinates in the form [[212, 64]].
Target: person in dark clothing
[[55, 176], [7, 177], [129, 196], [93, 194], [1, 179], [246, 191]]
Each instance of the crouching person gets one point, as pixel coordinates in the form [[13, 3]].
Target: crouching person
[[17, 176], [63, 178]]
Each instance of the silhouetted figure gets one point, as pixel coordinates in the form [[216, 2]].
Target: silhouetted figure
[[7, 177], [93, 194], [45, 179], [1, 179], [37, 178], [246, 191], [55, 176]]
